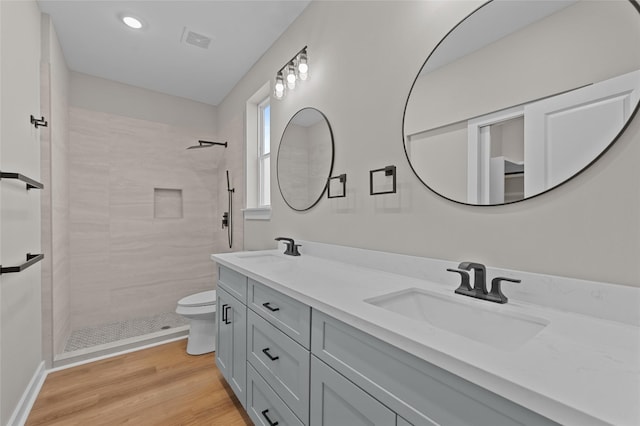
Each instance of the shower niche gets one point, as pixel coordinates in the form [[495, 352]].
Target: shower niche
[[167, 203]]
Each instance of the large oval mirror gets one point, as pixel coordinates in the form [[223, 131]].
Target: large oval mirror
[[305, 159], [521, 96]]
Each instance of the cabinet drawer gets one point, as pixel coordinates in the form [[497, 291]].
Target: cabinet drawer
[[420, 392], [337, 401], [263, 405], [282, 362], [292, 317], [234, 282]]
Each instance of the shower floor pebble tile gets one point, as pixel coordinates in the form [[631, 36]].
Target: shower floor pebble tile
[[112, 332]]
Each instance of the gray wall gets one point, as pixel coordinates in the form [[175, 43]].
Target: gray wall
[[588, 228]]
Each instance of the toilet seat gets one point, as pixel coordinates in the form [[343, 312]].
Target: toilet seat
[[204, 298]]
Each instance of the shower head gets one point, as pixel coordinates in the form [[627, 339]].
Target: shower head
[[207, 144]]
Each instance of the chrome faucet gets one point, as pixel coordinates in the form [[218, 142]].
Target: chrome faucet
[[479, 290], [292, 247]]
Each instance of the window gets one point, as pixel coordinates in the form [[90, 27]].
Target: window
[[258, 155], [264, 154]]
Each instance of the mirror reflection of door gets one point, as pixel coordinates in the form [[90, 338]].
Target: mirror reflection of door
[[523, 151], [572, 129], [496, 157], [556, 63]]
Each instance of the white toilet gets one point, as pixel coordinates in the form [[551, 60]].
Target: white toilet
[[200, 309]]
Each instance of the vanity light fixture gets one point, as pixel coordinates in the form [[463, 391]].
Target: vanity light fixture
[[287, 77], [132, 22]]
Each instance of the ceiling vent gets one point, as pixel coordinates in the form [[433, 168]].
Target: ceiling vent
[[195, 39]]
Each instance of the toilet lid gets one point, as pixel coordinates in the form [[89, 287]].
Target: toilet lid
[[199, 299]]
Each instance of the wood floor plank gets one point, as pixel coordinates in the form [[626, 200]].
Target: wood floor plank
[[156, 386]]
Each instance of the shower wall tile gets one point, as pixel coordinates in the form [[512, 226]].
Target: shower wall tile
[[126, 263], [156, 297], [89, 305]]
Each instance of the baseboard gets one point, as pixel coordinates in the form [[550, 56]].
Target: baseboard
[[21, 413]]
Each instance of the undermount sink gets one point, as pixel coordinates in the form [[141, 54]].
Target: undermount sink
[[490, 325]]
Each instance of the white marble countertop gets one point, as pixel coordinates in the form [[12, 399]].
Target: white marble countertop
[[578, 370]]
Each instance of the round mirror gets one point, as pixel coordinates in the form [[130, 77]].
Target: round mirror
[[305, 159], [521, 96]]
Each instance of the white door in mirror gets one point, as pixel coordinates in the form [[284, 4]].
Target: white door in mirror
[[572, 129]]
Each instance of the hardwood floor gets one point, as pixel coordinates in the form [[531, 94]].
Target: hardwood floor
[[156, 386]]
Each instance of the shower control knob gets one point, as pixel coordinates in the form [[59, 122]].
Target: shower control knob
[[225, 220]]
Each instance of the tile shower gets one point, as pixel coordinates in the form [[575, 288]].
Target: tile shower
[[143, 220]]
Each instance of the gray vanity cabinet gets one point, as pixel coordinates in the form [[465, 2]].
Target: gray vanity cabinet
[[231, 342], [415, 389], [337, 401]]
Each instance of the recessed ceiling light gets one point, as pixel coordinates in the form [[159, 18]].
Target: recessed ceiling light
[[132, 22]]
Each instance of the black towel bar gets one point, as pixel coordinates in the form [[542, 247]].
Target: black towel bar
[[30, 182], [31, 259], [388, 171]]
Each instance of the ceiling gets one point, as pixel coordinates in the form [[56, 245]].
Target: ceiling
[[96, 42]]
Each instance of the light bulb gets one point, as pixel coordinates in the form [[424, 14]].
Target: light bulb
[[132, 22], [278, 88], [303, 67], [291, 77]]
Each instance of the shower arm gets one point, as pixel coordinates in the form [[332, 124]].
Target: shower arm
[[207, 144]]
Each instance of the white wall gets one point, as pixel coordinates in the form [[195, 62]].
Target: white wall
[[111, 97], [54, 102], [588, 228], [20, 301]]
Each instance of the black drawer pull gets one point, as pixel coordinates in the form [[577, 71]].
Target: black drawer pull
[[271, 422], [269, 307], [271, 357], [224, 318], [225, 314], [226, 310]]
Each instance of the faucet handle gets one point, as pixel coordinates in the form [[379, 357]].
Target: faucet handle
[[294, 251], [465, 284], [495, 295]]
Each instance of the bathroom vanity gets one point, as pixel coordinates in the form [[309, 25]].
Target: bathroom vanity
[[343, 336]]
